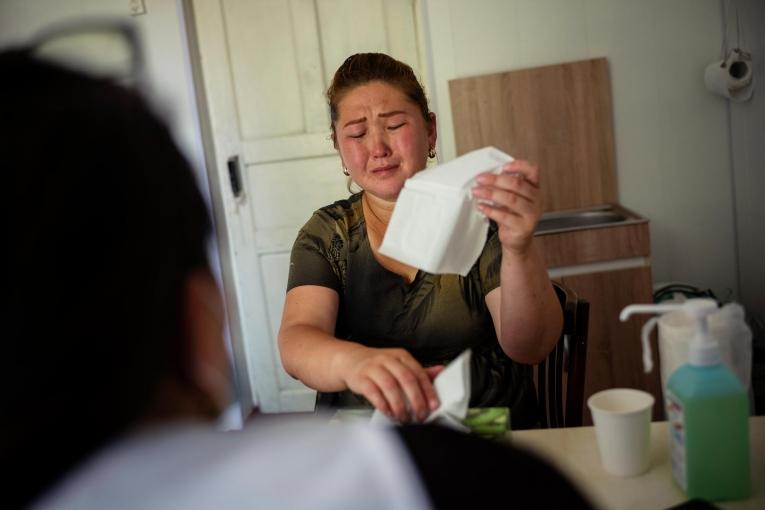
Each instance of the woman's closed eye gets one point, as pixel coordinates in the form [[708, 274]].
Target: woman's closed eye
[[361, 134]]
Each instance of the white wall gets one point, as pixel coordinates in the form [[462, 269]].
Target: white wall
[[672, 145]]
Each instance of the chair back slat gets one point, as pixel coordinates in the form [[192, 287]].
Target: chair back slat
[[560, 377]]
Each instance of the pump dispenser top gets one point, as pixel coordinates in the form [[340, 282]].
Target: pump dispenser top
[[703, 348]]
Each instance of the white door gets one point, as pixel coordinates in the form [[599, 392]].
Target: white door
[[263, 68]]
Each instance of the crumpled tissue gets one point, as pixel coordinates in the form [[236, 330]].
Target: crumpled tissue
[[435, 225], [452, 386]]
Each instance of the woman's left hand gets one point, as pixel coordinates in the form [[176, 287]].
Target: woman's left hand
[[514, 202]]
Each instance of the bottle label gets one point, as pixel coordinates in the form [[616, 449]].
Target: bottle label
[[676, 419]]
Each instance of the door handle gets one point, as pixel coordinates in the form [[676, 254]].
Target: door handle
[[235, 176]]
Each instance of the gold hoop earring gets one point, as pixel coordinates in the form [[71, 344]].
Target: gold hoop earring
[[432, 153], [346, 172]]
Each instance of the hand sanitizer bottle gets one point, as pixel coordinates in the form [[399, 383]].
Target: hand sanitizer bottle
[[708, 412]]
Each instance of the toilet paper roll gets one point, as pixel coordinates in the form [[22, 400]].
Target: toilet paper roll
[[731, 78]]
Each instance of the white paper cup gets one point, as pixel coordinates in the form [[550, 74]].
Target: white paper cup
[[622, 418]]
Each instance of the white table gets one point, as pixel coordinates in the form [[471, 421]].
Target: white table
[[575, 452]]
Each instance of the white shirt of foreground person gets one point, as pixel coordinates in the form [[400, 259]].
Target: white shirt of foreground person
[[276, 464]]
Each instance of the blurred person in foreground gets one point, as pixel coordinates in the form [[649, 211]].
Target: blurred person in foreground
[[115, 367]]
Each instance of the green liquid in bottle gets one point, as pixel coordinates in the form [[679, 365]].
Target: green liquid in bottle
[[709, 432]]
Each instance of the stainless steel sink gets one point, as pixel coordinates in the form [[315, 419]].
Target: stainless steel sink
[[591, 217]]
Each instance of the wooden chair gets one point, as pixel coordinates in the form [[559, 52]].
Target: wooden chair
[[560, 378]]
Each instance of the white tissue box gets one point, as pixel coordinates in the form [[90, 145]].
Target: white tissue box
[[435, 225]]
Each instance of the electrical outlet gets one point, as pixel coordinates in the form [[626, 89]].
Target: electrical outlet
[[137, 7]]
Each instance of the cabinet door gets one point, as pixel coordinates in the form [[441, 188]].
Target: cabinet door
[[264, 66], [614, 352]]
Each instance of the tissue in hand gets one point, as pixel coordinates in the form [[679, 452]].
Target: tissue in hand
[[452, 386], [453, 389], [435, 225]]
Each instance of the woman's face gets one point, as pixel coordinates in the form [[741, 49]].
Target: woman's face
[[382, 137]]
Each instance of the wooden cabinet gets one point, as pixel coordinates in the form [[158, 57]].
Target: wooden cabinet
[[559, 116], [614, 352], [609, 267]]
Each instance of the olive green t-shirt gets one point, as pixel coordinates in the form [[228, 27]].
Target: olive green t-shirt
[[435, 317]]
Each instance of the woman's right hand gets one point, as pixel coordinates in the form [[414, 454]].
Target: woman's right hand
[[389, 378]]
